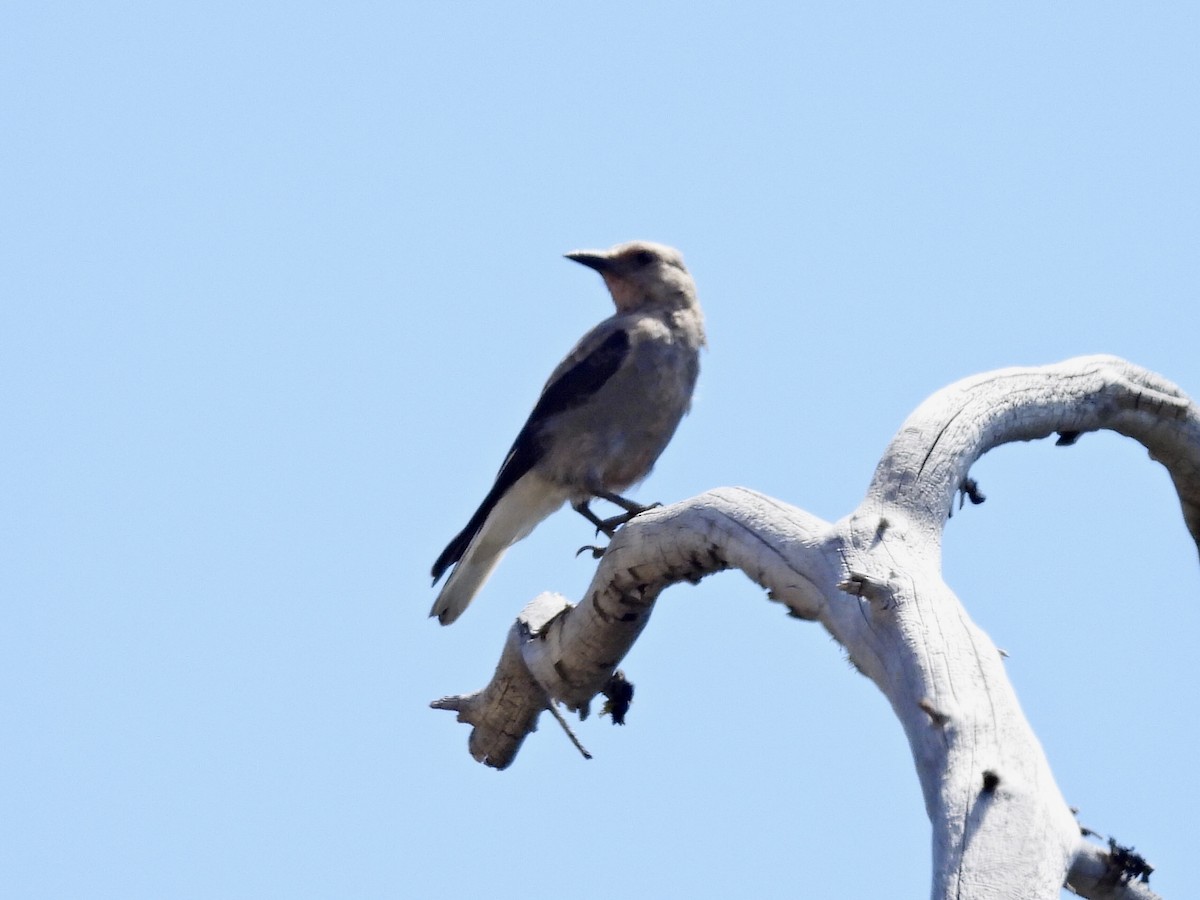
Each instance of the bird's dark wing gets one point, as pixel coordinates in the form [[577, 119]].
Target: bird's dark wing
[[573, 386], [578, 382]]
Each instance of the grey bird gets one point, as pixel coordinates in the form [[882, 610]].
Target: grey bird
[[602, 420]]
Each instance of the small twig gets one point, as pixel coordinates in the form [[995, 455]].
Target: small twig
[[553, 707]]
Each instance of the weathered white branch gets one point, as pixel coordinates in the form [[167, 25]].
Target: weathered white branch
[[1000, 827], [929, 458], [569, 653]]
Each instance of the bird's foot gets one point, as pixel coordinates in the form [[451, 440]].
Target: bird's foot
[[596, 552], [610, 525]]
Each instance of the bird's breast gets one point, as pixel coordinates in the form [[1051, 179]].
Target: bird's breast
[[613, 440]]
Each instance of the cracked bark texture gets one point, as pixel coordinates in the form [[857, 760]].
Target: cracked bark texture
[[1001, 829]]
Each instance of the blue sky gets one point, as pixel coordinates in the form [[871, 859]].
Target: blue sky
[[282, 281]]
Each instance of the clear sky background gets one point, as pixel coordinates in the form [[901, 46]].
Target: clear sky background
[[280, 283]]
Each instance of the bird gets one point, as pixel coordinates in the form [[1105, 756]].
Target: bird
[[604, 417]]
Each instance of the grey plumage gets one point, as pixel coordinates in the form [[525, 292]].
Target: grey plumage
[[605, 415]]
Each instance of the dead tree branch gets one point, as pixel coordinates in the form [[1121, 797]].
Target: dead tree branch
[[873, 580]]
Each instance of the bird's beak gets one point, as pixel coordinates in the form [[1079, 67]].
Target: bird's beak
[[591, 259]]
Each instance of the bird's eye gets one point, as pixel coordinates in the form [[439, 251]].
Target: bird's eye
[[644, 258]]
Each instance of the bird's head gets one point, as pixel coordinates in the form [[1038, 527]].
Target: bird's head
[[641, 274]]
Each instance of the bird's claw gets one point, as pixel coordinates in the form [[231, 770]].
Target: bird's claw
[[597, 552], [610, 525]]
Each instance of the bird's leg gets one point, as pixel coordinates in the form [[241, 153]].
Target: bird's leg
[[610, 525], [586, 511], [602, 525], [631, 508]]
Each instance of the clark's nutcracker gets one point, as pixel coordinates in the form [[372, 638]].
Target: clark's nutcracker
[[602, 420]]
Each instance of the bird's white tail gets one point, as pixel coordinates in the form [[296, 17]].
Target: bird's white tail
[[464, 582], [526, 503]]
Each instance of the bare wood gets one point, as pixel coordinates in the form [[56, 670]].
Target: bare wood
[[1001, 829]]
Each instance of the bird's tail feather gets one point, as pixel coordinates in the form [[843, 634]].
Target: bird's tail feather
[[529, 500], [464, 582]]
